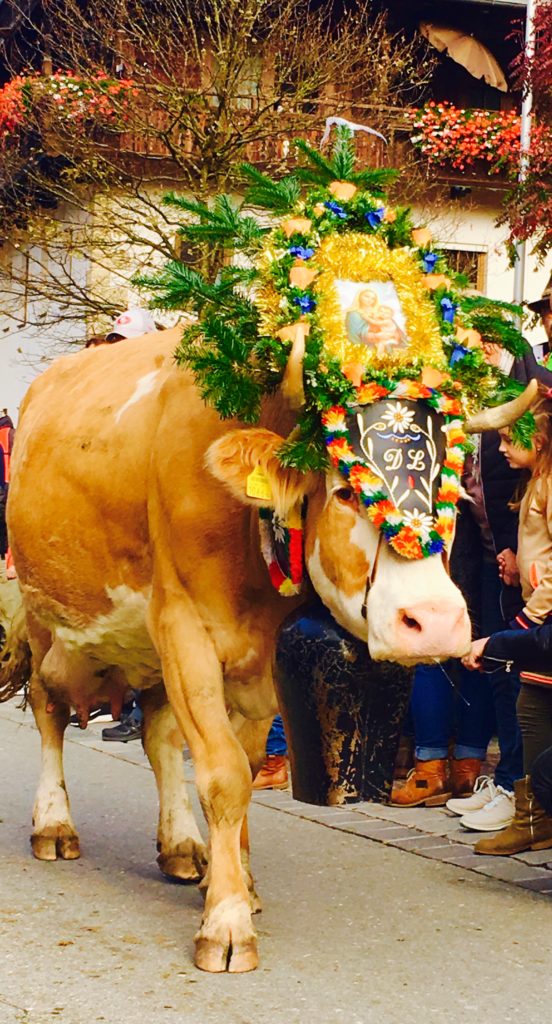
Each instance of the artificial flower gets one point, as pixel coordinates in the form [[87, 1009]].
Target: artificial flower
[[448, 310], [296, 226], [301, 252], [306, 303], [398, 417], [429, 261], [375, 217], [420, 522], [421, 237], [343, 190], [336, 209]]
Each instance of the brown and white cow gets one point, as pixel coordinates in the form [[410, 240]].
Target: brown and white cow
[[139, 563]]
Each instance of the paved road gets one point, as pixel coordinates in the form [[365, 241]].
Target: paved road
[[354, 929]]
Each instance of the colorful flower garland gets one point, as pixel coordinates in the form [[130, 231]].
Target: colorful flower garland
[[412, 536]]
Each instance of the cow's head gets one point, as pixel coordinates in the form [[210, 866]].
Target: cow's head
[[407, 611]]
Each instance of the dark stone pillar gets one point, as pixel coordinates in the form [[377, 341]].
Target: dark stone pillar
[[342, 711]]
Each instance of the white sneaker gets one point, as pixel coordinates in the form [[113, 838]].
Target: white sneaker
[[483, 792], [495, 815]]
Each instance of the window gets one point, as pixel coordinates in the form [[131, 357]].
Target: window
[[468, 261]]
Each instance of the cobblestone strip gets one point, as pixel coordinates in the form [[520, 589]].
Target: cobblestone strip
[[434, 833]]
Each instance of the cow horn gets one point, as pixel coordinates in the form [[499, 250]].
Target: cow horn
[[503, 415], [292, 383]]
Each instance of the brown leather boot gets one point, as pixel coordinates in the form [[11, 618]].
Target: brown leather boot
[[531, 828], [273, 774], [428, 784], [464, 772]]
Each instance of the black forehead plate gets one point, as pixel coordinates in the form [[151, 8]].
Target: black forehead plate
[[403, 443]]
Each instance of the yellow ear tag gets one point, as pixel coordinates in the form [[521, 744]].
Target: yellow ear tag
[[258, 485]]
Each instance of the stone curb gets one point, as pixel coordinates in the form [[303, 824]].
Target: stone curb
[[432, 833]]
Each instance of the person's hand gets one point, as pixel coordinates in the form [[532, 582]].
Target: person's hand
[[473, 659], [508, 568], [492, 353]]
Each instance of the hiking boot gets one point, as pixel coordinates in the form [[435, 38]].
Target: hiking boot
[[483, 792], [495, 815], [530, 829], [464, 772], [427, 784], [273, 774], [129, 728]]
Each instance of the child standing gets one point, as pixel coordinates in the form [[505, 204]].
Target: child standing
[[531, 828]]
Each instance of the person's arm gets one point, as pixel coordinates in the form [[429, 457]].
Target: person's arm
[[539, 605], [528, 650]]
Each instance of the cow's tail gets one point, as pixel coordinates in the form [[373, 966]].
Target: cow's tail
[[15, 653]]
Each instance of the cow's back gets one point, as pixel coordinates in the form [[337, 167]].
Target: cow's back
[[81, 471]]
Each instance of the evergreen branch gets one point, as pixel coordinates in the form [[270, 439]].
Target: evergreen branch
[[277, 196], [320, 172], [500, 332], [305, 448]]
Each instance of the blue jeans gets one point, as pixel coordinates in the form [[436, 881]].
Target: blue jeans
[[276, 745], [504, 685], [439, 711]]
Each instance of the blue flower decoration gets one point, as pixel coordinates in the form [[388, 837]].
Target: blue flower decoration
[[301, 252], [336, 209], [459, 352], [435, 545], [429, 261], [448, 309], [306, 303], [375, 217]]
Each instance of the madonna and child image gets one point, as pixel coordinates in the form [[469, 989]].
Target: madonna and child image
[[373, 315]]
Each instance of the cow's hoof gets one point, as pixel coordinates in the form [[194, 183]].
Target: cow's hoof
[[49, 846], [188, 863], [243, 957], [217, 957]]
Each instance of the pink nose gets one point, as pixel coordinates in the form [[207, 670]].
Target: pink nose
[[433, 630]]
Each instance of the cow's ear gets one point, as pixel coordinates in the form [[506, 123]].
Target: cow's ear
[[245, 462]]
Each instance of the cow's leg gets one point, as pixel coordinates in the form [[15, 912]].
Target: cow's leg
[[54, 833], [182, 853], [252, 736], [193, 677]]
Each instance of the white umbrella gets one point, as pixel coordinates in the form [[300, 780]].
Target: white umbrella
[[467, 51]]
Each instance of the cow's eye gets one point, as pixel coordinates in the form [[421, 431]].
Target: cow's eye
[[345, 494]]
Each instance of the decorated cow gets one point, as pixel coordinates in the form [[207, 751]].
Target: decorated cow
[[160, 538]]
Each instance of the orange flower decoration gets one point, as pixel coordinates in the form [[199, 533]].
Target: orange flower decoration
[[360, 475], [370, 392], [407, 543], [354, 372], [421, 237], [301, 276], [343, 190], [296, 225], [434, 281], [468, 337], [432, 378]]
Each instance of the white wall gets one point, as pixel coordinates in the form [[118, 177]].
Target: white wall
[[470, 223]]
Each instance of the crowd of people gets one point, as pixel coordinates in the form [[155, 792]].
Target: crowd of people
[[502, 560]]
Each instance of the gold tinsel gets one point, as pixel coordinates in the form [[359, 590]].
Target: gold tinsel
[[362, 258]]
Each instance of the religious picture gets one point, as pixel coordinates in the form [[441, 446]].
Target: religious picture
[[373, 315]]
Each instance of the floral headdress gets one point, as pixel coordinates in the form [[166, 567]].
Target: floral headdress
[[345, 303]]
